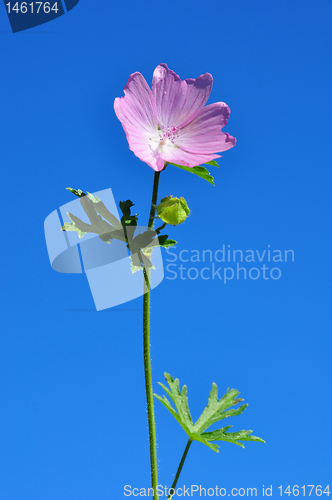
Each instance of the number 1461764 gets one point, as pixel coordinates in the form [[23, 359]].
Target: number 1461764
[[32, 8], [306, 490]]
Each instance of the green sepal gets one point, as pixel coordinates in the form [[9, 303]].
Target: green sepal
[[216, 410], [213, 163], [200, 171]]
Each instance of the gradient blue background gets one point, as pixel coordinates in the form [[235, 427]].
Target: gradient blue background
[[73, 418]]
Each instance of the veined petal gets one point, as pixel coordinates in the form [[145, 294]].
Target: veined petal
[[185, 158], [137, 114], [203, 135], [179, 102], [143, 147], [137, 107]]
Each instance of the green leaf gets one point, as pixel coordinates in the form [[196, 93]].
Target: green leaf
[[128, 221], [165, 243], [104, 212], [216, 410], [213, 163], [200, 171], [76, 225], [232, 437], [76, 192], [180, 401], [99, 207]]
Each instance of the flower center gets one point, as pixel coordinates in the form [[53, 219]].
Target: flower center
[[165, 137], [168, 134]]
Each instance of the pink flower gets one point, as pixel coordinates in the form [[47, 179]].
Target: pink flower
[[170, 123]]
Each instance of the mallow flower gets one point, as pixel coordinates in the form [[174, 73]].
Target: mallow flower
[[170, 123]]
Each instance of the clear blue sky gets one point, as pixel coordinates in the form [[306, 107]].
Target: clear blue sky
[[73, 418]]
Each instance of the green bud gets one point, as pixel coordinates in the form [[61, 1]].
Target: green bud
[[173, 211]]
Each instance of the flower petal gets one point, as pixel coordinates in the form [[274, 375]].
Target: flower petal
[[203, 135], [185, 158], [179, 102], [137, 106], [137, 114]]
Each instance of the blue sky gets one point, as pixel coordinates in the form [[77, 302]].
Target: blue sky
[[73, 418]]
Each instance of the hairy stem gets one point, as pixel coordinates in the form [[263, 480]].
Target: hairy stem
[[178, 472], [147, 353]]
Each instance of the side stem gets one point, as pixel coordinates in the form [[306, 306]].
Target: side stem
[[178, 472], [147, 353]]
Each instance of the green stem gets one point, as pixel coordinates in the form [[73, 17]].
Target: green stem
[[178, 472], [147, 354]]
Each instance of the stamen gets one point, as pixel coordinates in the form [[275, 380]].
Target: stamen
[[169, 134]]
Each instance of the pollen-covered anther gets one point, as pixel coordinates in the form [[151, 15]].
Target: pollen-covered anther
[[169, 134]]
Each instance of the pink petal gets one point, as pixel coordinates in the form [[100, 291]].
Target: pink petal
[[203, 135], [179, 102], [137, 107], [185, 158], [136, 111]]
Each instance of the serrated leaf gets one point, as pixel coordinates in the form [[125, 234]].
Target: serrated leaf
[[232, 437], [200, 171], [216, 410], [180, 401], [99, 207], [168, 405]]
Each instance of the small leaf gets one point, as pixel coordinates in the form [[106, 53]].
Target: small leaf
[[166, 243], [76, 192], [213, 163], [125, 206], [200, 171], [128, 221], [163, 241]]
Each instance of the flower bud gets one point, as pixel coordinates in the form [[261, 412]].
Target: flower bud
[[173, 211]]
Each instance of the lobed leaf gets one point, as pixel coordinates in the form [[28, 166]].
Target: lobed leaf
[[216, 410]]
